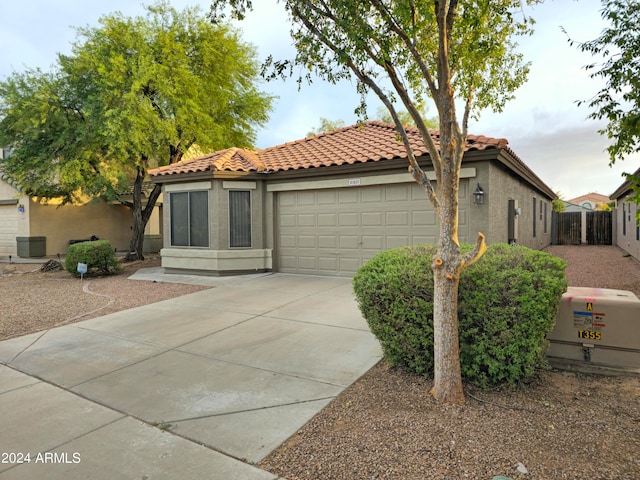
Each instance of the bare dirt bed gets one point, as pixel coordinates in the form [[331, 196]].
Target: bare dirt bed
[[560, 426], [31, 300], [385, 426]]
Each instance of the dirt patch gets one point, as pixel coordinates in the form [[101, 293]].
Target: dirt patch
[[32, 300], [562, 425], [599, 266]]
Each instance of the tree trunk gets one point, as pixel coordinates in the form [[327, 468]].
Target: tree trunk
[[447, 381], [447, 264], [140, 216]]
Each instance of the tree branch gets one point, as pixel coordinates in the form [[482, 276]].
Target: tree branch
[[415, 170], [474, 255]]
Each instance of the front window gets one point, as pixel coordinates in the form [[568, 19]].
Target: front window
[[189, 219], [239, 218]]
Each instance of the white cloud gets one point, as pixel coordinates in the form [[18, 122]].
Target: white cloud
[[544, 125]]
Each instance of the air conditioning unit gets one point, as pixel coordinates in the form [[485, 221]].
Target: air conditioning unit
[[597, 327]]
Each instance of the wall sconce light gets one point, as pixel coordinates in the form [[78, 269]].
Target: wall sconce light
[[478, 195], [21, 208]]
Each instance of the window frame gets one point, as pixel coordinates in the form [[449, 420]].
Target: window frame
[[534, 217], [188, 219], [232, 218]]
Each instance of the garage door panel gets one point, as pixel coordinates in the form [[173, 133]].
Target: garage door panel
[[348, 219], [306, 220], [343, 228], [350, 264], [288, 220], [288, 262], [372, 219], [8, 229], [287, 241], [328, 264], [349, 242], [328, 241], [371, 195], [375, 242], [397, 219], [394, 241], [308, 263], [421, 240], [396, 193], [327, 197], [419, 195], [307, 241], [348, 196], [306, 198], [423, 218], [327, 219]]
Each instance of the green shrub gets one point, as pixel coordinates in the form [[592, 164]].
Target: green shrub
[[507, 303], [98, 255]]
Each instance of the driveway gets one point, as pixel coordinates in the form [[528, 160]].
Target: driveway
[[200, 386]]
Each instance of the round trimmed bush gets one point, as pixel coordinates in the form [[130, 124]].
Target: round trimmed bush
[[507, 303], [98, 255]]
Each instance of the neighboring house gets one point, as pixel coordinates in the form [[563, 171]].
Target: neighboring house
[[325, 204], [590, 201], [572, 207], [627, 231], [29, 228]]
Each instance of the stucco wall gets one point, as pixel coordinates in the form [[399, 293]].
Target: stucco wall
[[59, 224], [13, 223], [218, 259], [502, 187], [627, 232]]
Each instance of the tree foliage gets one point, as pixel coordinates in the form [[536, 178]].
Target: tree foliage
[[405, 118], [326, 125], [618, 102], [407, 52], [135, 93]]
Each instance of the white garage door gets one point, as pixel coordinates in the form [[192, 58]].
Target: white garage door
[[8, 229], [334, 231]]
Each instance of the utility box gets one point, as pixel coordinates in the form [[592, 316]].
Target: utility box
[[29, 247], [597, 326]]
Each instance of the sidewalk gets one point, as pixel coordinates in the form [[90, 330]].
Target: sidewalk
[[200, 386]]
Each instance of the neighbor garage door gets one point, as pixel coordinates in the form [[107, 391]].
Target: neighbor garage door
[[8, 229], [333, 231]]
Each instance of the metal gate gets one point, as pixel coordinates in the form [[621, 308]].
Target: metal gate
[[599, 228]]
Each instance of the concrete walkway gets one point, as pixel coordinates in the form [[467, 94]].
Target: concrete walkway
[[200, 386]]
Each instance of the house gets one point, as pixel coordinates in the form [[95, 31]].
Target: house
[[325, 204], [625, 224], [32, 228], [573, 207], [590, 201]]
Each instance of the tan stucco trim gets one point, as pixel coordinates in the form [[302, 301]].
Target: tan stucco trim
[[182, 187], [216, 260], [230, 185], [357, 181]]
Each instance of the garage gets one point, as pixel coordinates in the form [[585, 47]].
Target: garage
[[8, 228], [335, 230], [325, 204]]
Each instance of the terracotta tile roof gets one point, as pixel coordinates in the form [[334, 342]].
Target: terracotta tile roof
[[626, 187], [593, 196], [368, 142], [231, 159]]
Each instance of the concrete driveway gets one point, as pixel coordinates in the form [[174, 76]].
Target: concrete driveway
[[200, 386]]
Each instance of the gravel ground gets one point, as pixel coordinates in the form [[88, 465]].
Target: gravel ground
[[561, 426], [31, 300], [386, 426]]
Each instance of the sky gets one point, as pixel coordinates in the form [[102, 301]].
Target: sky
[[544, 125]]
